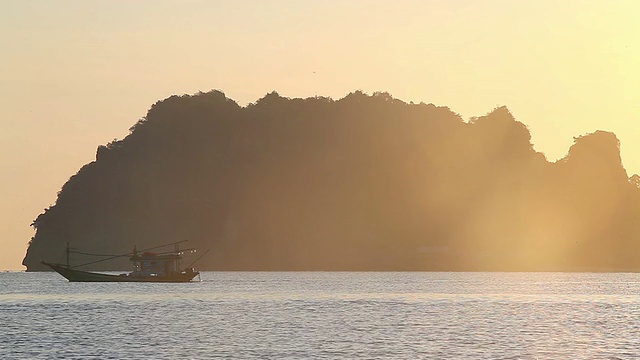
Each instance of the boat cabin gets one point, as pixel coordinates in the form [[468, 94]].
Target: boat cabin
[[152, 264]]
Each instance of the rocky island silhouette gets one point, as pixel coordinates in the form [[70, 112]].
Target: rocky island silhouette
[[367, 182]]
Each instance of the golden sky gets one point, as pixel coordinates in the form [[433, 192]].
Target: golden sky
[[77, 74]]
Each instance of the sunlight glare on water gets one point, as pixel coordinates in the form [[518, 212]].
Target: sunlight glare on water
[[324, 315]]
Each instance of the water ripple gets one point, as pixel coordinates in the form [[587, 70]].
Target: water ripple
[[245, 315]]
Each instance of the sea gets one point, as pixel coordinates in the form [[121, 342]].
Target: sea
[[324, 315]]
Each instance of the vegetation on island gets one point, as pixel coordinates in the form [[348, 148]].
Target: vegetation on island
[[367, 182]]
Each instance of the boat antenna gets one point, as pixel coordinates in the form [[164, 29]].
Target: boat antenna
[[199, 257], [127, 254]]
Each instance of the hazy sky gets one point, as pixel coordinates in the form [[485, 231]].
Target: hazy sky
[[77, 74]]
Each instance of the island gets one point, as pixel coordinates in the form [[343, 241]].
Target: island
[[363, 183]]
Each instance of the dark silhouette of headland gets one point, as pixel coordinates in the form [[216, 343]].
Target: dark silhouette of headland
[[360, 183]]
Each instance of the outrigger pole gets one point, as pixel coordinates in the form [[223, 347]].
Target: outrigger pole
[[199, 257], [116, 256]]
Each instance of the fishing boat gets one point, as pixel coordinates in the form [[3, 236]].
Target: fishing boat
[[147, 267]]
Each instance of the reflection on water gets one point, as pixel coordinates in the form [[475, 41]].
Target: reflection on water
[[324, 315]]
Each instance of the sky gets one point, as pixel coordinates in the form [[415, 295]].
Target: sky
[[78, 74]]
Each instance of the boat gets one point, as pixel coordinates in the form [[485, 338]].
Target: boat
[[147, 267]]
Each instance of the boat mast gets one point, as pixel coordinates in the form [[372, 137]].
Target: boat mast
[[176, 263]]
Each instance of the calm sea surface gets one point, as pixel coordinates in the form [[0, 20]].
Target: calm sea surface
[[324, 315]]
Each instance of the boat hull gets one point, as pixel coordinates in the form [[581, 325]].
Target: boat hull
[[85, 276]]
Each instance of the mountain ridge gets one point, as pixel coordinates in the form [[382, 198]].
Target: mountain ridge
[[366, 182]]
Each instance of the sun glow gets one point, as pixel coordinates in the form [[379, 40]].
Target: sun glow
[[76, 75]]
